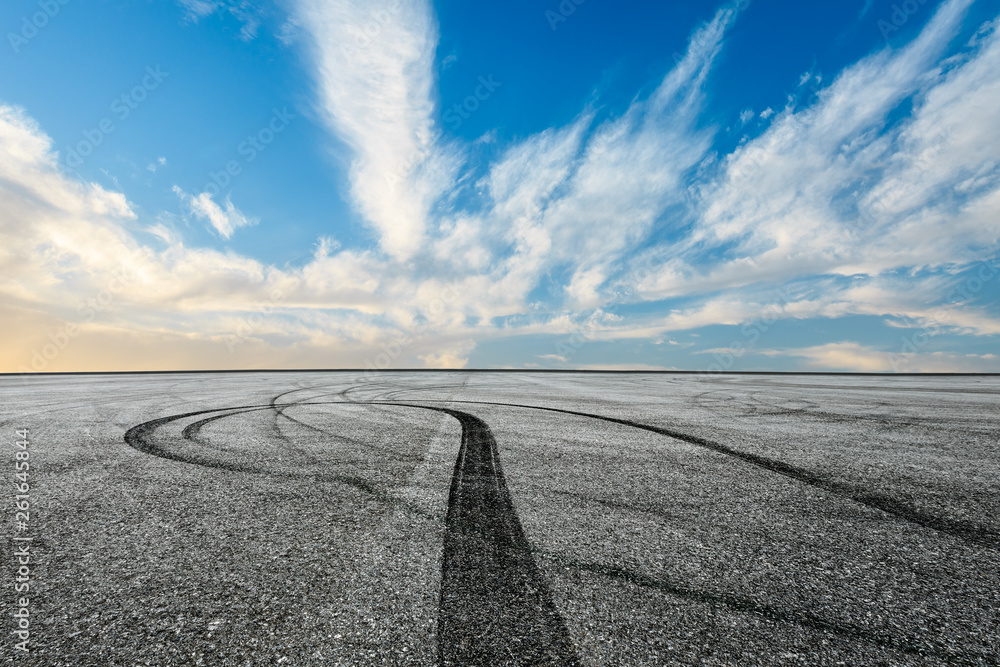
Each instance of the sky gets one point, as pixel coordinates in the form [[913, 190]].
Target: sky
[[763, 185]]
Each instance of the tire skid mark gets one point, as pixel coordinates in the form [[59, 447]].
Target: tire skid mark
[[402, 394], [494, 602], [758, 409], [139, 437], [501, 538], [192, 431], [393, 390], [806, 619], [967, 531], [279, 411]]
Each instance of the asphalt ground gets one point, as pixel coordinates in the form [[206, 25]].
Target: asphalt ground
[[499, 518]]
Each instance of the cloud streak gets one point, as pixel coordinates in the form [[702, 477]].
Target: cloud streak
[[224, 219], [375, 79]]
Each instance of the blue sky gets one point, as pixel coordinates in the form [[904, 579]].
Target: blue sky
[[764, 185]]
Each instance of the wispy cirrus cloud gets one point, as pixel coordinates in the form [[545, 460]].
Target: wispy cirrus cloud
[[225, 219], [582, 197], [248, 12], [375, 79], [832, 189]]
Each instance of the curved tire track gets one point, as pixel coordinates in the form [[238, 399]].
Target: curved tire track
[[967, 531], [516, 550], [494, 603]]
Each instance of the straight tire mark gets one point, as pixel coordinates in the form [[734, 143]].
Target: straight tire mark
[[495, 604]]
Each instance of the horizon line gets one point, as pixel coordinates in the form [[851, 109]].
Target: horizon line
[[496, 370]]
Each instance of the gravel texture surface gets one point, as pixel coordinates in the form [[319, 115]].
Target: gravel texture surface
[[499, 518]]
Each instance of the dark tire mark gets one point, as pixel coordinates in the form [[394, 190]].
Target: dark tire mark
[[908, 645], [495, 605], [476, 539], [140, 438], [931, 390], [967, 531], [279, 411], [192, 431]]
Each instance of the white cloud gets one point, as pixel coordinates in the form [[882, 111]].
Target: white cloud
[[456, 357], [324, 246], [247, 12], [845, 356], [77, 267], [829, 189], [225, 221], [553, 357], [851, 356], [721, 350], [376, 78], [198, 9], [926, 304], [488, 137], [566, 195], [586, 201]]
